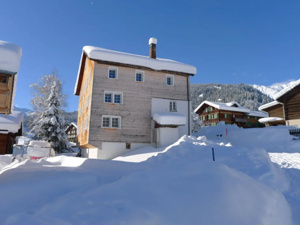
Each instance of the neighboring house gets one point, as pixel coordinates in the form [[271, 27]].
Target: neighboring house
[[275, 111], [288, 103], [71, 132], [11, 126], [123, 100], [211, 113], [10, 56]]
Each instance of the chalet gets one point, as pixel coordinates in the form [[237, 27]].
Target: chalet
[[286, 106], [129, 101], [10, 55], [211, 113], [11, 126], [275, 111], [71, 132]]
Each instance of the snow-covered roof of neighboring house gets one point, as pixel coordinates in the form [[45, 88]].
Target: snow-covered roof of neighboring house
[[225, 106], [268, 105], [270, 119], [258, 114], [157, 64], [169, 118], [74, 124], [287, 89], [11, 123], [10, 57]]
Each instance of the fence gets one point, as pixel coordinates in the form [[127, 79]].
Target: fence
[[295, 132]]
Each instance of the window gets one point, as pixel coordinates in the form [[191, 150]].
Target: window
[[172, 107], [216, 116], [90, 76], [113, 72], [3, 79], [78, 129], [226, 116], [86, 123], [108, 97], [170, 80], [111, 122], [139, 76], [113, 97], [128, 146], [79, 111]]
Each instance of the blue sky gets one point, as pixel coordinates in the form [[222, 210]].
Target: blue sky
[[234, 41]]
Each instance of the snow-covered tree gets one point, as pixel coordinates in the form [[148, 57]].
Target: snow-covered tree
[[196, 122], [50, 125]]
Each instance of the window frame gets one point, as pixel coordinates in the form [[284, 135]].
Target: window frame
[[87, 101], [143, 76], [172, 80], [113, 68], [113, 93], [171, 106], [110, 121], [86, 123]]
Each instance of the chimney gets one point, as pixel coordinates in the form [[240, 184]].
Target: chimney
[[152, 50]]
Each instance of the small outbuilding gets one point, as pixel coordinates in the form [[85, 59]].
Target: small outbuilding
[[71, 132]]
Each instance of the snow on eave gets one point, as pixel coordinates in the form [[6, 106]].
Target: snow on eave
[[258, 114], [268, 105], [11, 123], [270, 119], [169, 118], [157, 64], [287, 89], [224, 106], [10, 57]]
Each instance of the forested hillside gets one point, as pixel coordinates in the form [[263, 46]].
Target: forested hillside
[[244, 94]]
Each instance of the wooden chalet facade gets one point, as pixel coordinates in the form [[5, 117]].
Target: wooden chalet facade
[[285, 110], [71, 132], [211, 113], [10, 55], [119, 93]]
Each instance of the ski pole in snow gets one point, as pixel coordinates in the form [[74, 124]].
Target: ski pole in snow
[[213, 154]]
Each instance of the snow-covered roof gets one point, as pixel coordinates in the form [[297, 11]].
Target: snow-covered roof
[[225, 106], [270, 119], [268, 105], [258, 114], [10, 57], [131, 59], [169, 118], [11, 123], [287, 89], [74, 124]]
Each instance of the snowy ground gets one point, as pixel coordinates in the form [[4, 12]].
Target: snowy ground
[[254, 180]]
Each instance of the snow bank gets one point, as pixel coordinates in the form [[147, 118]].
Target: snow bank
[[5, 160], [180, 186], [10, 57], [169, 118], [272, 139], [11, 123]]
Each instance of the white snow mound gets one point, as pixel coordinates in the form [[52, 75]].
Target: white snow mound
[[10, 57]]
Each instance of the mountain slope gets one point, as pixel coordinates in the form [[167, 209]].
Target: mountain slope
[[271, 90], [244, 94]]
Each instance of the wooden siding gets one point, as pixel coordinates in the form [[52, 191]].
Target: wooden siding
[[275, 111], [135, 111], [6, 92], [86, 89], [291, 101]]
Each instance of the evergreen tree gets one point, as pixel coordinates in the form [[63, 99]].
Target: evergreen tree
[[50, 125], [196, 122]]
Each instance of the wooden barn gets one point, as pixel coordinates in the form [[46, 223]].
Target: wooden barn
[[285, 110], [211, 113], [276, 116], [11, 126], [10, 56]]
